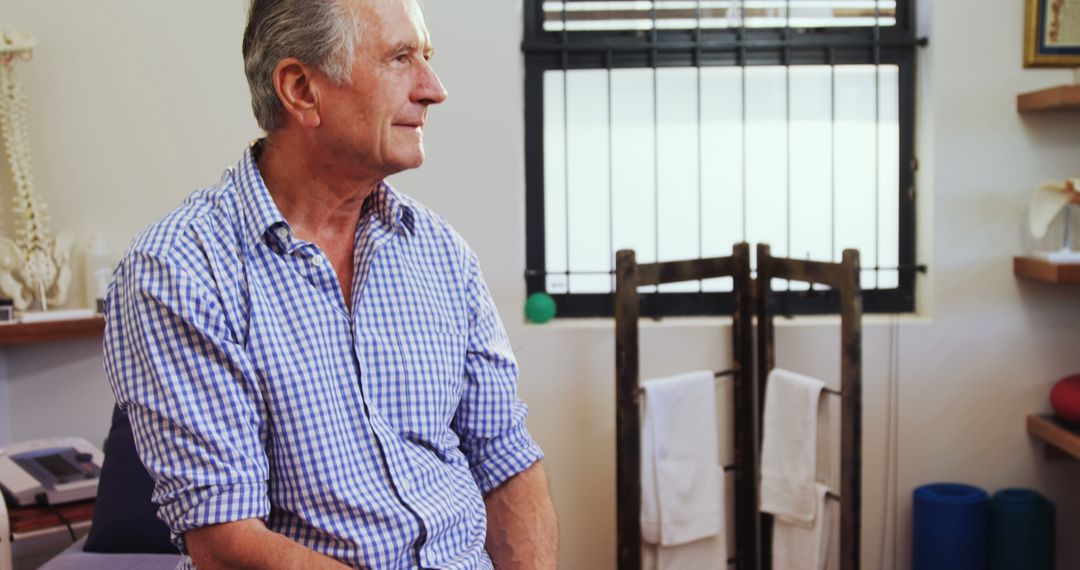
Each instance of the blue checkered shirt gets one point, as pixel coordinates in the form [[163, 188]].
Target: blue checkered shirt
[[370, 436]]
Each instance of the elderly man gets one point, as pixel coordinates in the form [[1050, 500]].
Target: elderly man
[[312, 364]]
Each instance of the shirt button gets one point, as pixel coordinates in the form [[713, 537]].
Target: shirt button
[[282, 233], [317, 261]]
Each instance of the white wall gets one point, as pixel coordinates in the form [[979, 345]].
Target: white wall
[[133, 105], [5, 423], [137, 103]]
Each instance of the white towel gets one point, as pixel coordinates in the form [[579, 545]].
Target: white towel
[[709, 553], [789, 446], [804, 546], [682, 486]]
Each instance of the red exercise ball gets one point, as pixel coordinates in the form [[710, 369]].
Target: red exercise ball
[[1065, 399]]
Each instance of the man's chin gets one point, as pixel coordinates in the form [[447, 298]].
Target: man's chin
[[410, 161]]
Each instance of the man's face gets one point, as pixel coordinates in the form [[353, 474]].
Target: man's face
[[376, 123]]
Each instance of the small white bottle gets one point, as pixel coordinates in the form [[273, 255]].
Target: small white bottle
[[99, 268]]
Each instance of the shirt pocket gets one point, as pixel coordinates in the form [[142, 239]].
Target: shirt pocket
[[428, 389]]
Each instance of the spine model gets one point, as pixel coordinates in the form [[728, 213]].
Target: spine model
[[35, 265]]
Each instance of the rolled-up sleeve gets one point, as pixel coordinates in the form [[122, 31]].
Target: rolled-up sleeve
[[490, 419], [190, 393]]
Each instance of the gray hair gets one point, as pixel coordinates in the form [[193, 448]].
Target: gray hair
[[321, 33]]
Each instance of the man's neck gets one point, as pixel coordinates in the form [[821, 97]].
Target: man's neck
[[317, 203]]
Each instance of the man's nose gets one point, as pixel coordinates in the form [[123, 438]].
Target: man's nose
[[429, 89]]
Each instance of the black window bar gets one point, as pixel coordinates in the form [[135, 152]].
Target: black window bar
[[565, 36]]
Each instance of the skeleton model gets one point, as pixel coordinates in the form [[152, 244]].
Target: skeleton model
[[35, 265]]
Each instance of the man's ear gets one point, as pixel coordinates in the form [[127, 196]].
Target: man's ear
[[297, 92]]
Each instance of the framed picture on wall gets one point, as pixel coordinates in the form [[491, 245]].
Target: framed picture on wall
[[1052, 36]]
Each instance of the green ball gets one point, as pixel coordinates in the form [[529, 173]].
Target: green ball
[[540, 308]]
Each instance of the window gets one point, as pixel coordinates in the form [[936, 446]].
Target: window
[[680, 127]]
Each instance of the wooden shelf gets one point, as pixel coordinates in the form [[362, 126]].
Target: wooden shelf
[[25, 333], [1064, 438], [29, 519], [1061, 98], [1042, 270]]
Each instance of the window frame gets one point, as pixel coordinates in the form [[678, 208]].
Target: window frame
[[572, 50]]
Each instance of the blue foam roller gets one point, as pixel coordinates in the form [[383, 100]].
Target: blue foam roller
[[1021, 531], [950, 527]]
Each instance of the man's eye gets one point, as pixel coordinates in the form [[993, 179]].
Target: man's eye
[[403, 58]]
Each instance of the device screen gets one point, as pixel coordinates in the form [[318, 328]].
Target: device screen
[[57, 465]]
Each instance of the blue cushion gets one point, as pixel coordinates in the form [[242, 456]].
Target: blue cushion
[[125, 519]]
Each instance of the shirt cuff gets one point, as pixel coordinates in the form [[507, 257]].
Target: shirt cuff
[[504, 457], [214, 505]]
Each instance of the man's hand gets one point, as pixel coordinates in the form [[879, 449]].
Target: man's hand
[[522, 532], [249, 544]]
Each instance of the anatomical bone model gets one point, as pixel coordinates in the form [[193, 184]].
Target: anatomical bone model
[[35, 265]]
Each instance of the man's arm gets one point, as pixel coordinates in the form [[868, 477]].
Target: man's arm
[[249, 544], [522, 531], [189, 391], [503, 458]]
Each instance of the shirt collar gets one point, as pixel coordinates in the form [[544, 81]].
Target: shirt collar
[[264, 221], [390, 209], [262, 218]]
